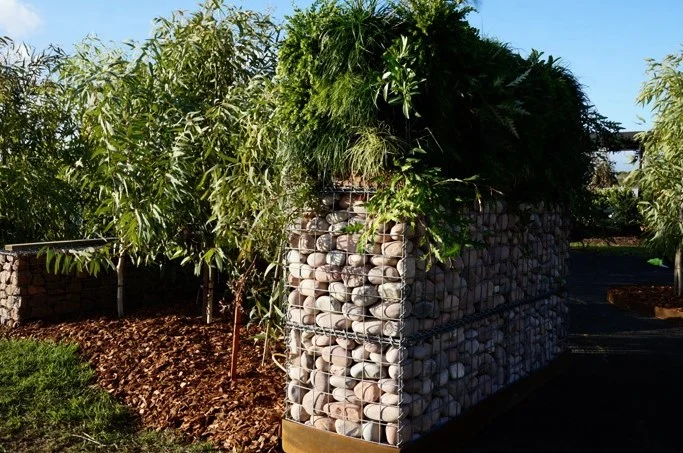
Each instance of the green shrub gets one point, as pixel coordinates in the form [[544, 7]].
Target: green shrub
[[611, 211]]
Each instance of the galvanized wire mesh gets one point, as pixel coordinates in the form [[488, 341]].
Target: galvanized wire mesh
[[385, 347]]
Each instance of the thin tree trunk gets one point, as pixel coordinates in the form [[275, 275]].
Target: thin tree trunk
[[238, 291], [120, 267], [208, 293], [236, 335], [678, 271]]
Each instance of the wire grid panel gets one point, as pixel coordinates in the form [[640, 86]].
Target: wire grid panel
[[386, 347]]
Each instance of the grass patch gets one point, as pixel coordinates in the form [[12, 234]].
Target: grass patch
[[48, 403], [613, 249]]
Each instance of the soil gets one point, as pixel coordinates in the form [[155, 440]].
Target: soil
[[174, 372]]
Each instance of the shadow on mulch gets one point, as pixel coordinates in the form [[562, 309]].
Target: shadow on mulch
[[172, 370]]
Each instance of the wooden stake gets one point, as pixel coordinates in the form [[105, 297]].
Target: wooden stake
[[678, 271], [120, 266], [208, 291]]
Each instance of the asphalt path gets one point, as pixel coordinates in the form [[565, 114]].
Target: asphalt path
[[623, 388]]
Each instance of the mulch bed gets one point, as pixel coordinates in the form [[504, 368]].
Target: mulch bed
[[173, 371], [651, 300], [617, 241]]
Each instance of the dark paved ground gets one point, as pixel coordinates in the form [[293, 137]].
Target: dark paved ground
[[623, 389]]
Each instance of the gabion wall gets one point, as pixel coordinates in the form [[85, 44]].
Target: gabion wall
[[28, 291], [384, 348]]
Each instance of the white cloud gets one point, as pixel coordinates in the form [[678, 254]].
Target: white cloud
[[17, 18]]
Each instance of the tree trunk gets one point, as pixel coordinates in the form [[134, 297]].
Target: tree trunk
[[208, 293], [678, 271], [120, 267]]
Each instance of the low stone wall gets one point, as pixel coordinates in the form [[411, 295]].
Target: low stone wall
[[384, 347], [29, 291]]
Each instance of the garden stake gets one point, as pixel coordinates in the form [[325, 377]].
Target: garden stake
[[239, 295]]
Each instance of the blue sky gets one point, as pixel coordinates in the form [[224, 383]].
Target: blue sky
[[604, 42]]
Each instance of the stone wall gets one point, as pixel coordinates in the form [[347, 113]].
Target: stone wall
[[385, 348], [28, 291]]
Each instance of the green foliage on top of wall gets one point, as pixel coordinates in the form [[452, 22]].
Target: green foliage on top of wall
[[369, 86]]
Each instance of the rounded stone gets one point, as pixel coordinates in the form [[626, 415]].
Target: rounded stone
[[309, 306], [336, 258], [335, 321], [348, 242], [393, 354], [293, 256], [298, 413], [295, 298], [344, 395], [388, 385], [402, 230], [325, 243], [306, 243], [295, 392], [390, 291], [368, 327], [381, 260], [372, 432], [364, 296], [356, 260], [314, 402], [320, 381], [366, 370], [406, 268], [389, 399], [327, 273], [354, 276], [339, 291], [394, 249], [382, 274], [367, 392], [336, 217], [354, 312], [327, 304], [346, 343], [336, 355], [346, 382], [324, 423], [317, 224], [381, 413], [313, 288], [316, 259], [348, 428]]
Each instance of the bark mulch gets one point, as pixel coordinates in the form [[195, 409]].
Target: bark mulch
[[651, 300], [173, 371], [614, 241]]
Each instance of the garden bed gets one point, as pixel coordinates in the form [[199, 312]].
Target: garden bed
[[173, 371], [650, 300]]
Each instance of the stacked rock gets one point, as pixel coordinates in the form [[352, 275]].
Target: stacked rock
[[386, 344]]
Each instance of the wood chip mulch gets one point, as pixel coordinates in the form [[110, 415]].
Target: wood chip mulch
[[623, 241], [653, 300], [173, 371]]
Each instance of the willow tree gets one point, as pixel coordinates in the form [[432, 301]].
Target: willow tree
[[661, 177], [182, 162]]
